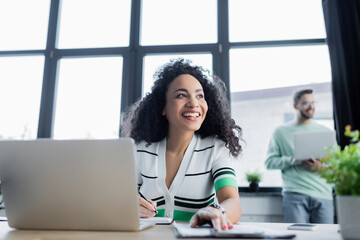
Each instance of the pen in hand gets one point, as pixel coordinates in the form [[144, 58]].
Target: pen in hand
[[141, 195]]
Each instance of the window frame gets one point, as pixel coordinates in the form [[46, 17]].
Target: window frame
[[133, 58]]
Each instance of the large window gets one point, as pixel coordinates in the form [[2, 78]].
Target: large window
[[20, 91], [89, 24], [264, 75], [178, 22], [69, 69], [280, 67], [23, 24], [88, 98], [263, 20]]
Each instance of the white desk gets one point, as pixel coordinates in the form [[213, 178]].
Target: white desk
[[324, 231]]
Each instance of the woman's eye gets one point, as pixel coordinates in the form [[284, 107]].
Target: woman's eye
[[181, 95], [200, 96]]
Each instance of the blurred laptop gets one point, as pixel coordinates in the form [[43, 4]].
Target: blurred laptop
[[70, 184], [312, 144]]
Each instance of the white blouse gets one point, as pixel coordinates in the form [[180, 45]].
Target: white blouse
[[205, 168]]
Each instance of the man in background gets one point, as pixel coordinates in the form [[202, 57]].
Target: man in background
[[307, 198]]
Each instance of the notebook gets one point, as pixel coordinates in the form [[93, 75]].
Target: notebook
[[312, 144], [183, 230], [70, 184]]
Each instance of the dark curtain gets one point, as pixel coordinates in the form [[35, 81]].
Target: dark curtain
[[342, 21]]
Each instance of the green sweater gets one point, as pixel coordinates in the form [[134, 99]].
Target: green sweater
[[297, 178]]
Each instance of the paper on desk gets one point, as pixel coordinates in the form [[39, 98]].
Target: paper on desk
[[239, 231], [158, 220], [278, 234], [183, 230]]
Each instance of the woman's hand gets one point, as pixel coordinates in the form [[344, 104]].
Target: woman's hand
[[229, 199], [147, 208], [213, 216]]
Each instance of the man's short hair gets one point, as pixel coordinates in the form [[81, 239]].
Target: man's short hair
[[298, 94]]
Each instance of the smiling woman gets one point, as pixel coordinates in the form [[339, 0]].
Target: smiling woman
[[145, 120], [185, 139], [186, 106]]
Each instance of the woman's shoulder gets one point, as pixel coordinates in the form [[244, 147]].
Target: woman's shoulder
[[210, 141], [144, 151], [143, 145], [216, 146]]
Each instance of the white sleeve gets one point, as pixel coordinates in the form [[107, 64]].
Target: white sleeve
[[222, 167]]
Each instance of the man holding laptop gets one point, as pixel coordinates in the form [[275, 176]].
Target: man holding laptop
[[306, 196]]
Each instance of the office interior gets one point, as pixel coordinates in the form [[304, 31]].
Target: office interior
[[70, 69]]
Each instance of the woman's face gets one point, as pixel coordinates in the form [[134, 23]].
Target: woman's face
[[186, 106]]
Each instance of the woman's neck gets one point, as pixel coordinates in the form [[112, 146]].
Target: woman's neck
[[177, 142]]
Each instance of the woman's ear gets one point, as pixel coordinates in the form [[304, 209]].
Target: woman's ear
[[163, 113]]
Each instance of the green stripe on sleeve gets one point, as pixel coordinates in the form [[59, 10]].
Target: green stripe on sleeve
[[182, 215], [225, 182]]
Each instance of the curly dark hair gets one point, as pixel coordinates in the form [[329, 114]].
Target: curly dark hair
[[144, 120]]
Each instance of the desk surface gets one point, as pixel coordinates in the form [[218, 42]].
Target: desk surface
[[324, 231]]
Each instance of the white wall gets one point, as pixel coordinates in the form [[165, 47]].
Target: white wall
[[261, 208]]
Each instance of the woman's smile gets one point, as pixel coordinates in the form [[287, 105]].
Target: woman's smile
[[191, 115]]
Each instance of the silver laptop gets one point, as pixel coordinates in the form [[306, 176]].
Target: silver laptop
[[70, 184], [312, 144]]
